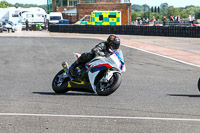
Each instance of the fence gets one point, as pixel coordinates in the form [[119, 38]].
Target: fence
[[164, 23], [103, 1], [173, 31]]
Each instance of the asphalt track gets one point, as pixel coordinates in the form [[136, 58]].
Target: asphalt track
[[157, 95]]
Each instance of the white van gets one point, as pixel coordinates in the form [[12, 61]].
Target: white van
[[19, 15], [54, 17]]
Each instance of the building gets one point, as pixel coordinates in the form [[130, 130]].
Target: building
[[76, 9]]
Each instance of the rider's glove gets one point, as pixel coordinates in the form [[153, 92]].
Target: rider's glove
[[99, 54]]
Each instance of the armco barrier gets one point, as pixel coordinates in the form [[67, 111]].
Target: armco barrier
[[173, 31]]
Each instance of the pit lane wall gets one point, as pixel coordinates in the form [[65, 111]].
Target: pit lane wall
[[173, 31]]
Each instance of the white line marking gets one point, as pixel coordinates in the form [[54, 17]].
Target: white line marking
[[162, 56], [101, 117]]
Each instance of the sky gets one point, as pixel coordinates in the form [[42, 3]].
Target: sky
[[175, 3]]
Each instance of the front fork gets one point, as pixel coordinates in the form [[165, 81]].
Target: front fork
[[106, 78], [66, 69]]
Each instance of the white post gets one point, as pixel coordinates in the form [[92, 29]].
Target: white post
[[128, 13]]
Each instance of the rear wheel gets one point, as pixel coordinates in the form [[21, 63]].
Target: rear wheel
[[199, 84], [59, 85], [105, 89]]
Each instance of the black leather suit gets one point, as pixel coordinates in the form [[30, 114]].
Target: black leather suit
[[101, 49]]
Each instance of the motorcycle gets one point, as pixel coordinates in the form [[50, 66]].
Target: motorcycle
[[102, 75]]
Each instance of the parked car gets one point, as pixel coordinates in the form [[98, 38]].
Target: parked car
[[54, 17], [7, 25], [63, 22]]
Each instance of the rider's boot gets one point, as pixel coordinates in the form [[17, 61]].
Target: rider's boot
[[72, 69]]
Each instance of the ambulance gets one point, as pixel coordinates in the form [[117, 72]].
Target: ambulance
[[101, 18]]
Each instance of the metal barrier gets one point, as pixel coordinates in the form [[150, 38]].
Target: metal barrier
[[164, 23], [103, 1], [174, 31]]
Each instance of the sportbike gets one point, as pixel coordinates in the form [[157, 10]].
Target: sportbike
[[102, 75]]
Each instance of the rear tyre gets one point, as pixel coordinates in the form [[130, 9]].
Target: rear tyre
[[111, 86], [60, 86], [198, 84]]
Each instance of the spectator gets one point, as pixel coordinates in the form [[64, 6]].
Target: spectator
[[146, 20], [153, 19], [136, 21], [193, 19], [190, 19], [27, 26], [179, 19], [141, 21], [164, 19], [45, 23], [175, 18], [171, 18], [157, 18], [8, 27]]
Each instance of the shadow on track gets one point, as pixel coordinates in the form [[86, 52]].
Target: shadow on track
[[68, 93], [183, 95]]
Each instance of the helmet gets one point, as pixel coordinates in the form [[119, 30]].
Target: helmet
[[113, 41]]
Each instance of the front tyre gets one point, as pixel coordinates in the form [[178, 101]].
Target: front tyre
[[198, 84], [105, 89], [59, 85]]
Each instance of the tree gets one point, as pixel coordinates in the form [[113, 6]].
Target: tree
[[30, 5], [184, 14], [156, 15], [137, 8], [5, 4], [164, 9], [197, 15], [188, 10], [146, 10], [173, 11], [135, 15]]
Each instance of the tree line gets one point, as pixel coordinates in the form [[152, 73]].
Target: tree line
[[5, 4], [145, 11]]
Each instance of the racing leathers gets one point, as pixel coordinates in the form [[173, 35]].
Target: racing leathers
[[101, 49]]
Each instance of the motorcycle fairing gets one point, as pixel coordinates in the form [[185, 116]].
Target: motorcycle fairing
[[98, 67], [119, 55], [92, 77], [101, 63]]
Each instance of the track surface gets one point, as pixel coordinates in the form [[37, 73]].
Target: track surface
[[153, 89]]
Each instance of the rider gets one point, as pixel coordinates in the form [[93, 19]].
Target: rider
[[101, 49]]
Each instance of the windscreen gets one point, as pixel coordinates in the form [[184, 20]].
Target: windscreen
[[55, 18], [120, 54]]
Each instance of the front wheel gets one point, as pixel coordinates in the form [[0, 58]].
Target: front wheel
[[105, 89], [198, 84], [59, 85]]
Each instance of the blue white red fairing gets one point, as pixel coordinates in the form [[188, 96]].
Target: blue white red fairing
[[113, 61], [101, 63]]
